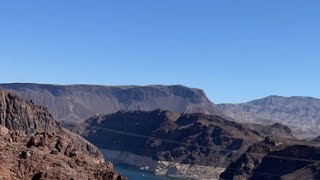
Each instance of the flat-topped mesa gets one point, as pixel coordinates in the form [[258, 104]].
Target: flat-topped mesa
[[76, 103], [19, 115]]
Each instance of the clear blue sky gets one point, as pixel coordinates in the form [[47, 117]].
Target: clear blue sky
[[234, 50]]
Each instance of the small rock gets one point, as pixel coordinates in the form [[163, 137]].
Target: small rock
[[3, 131], [25, 154]]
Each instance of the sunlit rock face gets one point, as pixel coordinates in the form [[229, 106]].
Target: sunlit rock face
[[34, 146]]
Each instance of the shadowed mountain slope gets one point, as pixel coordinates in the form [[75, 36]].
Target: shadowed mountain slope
[[275, 159], [243, 150], [187, 138]]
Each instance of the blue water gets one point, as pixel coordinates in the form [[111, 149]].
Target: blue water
[[135, 174]]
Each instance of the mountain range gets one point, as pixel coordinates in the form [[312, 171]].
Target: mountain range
[[301, 114], [76, 103], [168, 130]]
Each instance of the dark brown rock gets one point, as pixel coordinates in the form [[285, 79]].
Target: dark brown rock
[[246, 151], [198, 139], [19, 115], [276, 158], [34, 146]]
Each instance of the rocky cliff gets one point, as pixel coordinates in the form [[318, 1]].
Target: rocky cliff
[[76, 103], [301, 114], [206, 144], [277, 158], [185, 138], [20, 115], [34, 146], [169, 143]]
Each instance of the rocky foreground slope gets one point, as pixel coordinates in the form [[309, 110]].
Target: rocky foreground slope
[[75, 103], [301, 114], [201, 146], [34, 146]]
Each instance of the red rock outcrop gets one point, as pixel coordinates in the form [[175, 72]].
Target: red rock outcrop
[[34, 146]]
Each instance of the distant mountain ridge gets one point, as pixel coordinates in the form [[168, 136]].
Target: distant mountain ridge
[[74, 103], [301, 114]]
